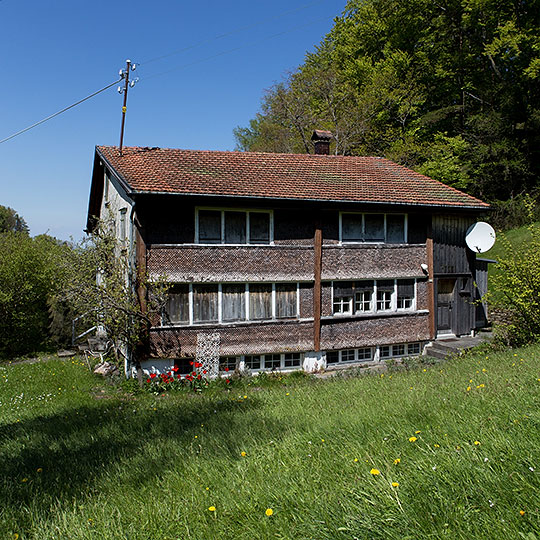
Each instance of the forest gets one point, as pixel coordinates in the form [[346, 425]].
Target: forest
[[448, 88]]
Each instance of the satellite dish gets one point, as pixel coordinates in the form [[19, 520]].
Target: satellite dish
[[480, 237]]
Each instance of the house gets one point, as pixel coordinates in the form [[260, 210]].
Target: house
[[283, 261]]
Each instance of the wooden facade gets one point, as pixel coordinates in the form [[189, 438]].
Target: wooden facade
[[355, 282]]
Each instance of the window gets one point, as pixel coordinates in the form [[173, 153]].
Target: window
[[385, 290], [123, 231], [357, 297], [230, 302], [260, 301], [205, 303], [233, 302], [364, 354], [343, 296], [286, 300], [374, 228], [227, 363], [252, 361], [349, 355], [363, 296], [332, 357], [405, 293], [272, 361], [399, 350], [291, 360], [106, 183], [209, 227], [233, 226], [177, 305]]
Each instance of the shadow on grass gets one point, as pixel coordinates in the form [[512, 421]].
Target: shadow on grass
[[76, 448]]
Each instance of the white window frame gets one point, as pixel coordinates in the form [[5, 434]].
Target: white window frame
[[247, 211], [352, 311], [385, 241], [356, 355]]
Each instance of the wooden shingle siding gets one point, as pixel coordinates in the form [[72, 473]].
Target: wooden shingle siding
[[339, 334], [355, 262]]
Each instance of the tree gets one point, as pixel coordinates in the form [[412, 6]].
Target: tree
[[102, 281], [449, 87], [10, 221], [30, 274]]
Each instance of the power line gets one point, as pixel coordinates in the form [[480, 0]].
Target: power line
[[59, 112], [183, 66], [226, 34]]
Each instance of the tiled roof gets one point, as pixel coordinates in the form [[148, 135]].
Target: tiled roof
[[282, 176]]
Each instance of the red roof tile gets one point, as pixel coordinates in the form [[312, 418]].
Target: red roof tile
[[282, 176]]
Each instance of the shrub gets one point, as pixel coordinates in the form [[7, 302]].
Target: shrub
[[516, 290]]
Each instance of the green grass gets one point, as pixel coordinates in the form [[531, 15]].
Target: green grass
[[81, 459]]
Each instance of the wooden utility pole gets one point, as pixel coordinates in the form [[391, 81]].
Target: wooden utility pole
[[124, 74]]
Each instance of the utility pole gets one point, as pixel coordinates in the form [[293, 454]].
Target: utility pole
[[124, 74]]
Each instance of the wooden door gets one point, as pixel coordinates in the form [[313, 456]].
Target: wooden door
[[445, 305]]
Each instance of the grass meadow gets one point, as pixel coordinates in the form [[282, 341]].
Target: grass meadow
[[447, 451]]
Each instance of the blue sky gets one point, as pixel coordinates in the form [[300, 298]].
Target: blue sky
[[57, 52]]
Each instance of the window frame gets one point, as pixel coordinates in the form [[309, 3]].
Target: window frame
[[246, 301], [351, 301], [279, 359], [247, 212], [342, 241]]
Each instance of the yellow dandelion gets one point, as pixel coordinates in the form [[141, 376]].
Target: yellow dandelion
[[245, 397], [211, 508], [397, 461], [375, 472], [468, 388], [15, 536], [269, 512], [288, 394], [412, 439], [207, 489], [437, 445], [522, 512], [243, 454], [476, 443], [39, 469], [24, 480], [355, 460], [322, 440], [417, 432], [395, 484], [484, 370]]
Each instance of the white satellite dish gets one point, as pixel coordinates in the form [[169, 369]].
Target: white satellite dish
[[480, 237]]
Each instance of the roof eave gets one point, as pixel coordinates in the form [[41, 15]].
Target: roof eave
[[457, 206]]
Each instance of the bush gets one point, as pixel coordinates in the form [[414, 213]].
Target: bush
[[516, 290]]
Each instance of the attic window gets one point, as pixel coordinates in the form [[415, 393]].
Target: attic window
[[233, 226], [373, 228]]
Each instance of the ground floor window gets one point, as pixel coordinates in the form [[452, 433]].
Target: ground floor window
[[399, 350], [349, 355], [260, 362]]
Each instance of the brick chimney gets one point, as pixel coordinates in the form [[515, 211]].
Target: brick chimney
[[321, 141]]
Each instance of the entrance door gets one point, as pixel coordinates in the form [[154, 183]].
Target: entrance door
[[445, 305]]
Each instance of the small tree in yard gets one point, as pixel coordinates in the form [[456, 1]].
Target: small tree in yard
[[104, 283], [516, 291]]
